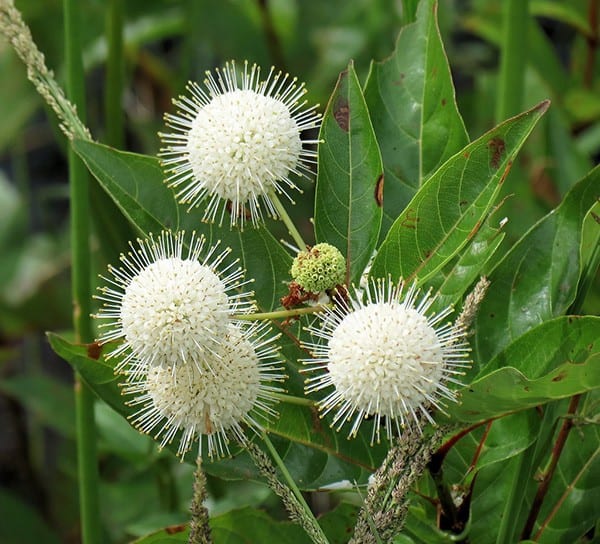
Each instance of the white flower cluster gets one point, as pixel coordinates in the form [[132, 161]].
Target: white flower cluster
[[192, 369], [384, 359], [236, 143]]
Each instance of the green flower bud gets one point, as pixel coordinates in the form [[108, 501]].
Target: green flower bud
[[323, 267]]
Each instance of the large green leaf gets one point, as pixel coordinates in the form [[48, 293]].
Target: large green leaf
[[242, 526], [413, 108], [449, 209], [135, 182], [505, 438], [554, 360], [349, 191], [537, 279], [250, 525]]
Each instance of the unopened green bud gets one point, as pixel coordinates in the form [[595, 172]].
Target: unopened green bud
[[323, 267]]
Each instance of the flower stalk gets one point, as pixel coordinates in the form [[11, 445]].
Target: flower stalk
[[291, 496], [199, 526]]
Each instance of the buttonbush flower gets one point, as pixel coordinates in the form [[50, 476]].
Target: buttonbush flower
[[384, 359], [322, 267], [187, 404], [237, 142], [170, 302]]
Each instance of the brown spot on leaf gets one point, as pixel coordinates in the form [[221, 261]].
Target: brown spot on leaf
[[497, 148], [94, 350], [596, 217], [466, 154], [560, 377], [463, 202], [411, 219], [443, 101], [341, 113], [174, 529], [379, 190]]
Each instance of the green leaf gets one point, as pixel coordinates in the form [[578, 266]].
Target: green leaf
[[338, 524], [554, 360], [505, 438], [449, 209], [537, 279], [493, 499], [349, 189], [412, 104], [420, 525], [135, 183], [249, 525], [469, 266]]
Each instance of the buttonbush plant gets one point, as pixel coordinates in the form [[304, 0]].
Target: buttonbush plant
[[360, 305]]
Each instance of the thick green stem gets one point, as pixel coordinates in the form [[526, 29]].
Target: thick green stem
[[287, 220], [114, 75], [81, 287], [513, 58], [279, 314]]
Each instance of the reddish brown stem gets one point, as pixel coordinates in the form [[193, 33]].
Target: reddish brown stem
[[480, 445], [544, 484]]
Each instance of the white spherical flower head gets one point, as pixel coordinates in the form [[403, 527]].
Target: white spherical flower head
[[237, 143], [170, 306], [385, 358], [208, 406]]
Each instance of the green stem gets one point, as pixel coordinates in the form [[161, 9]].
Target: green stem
[[114, 75], [81, 287], [290, 399], [513, 57], [292, 485], [280, 314], [287, 221]]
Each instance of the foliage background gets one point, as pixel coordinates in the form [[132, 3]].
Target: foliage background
[[168, 42]]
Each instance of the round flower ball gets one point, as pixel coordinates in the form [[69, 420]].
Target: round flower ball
[[170, 302], [236, 390], [235, 143], [385, 358], [322, 267]]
